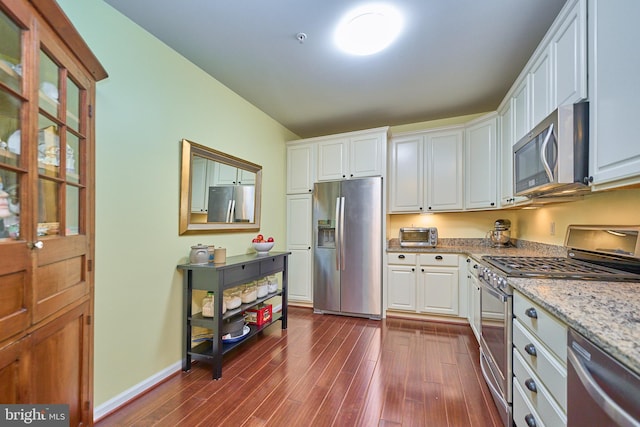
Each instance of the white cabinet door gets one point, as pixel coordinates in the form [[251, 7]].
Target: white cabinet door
[[438, 290], [225, 174], [198, 184], [245, 177], [367, 156], [614, 61], [299, 243], [299, 228], [569, 53], [332, 159], [300, 168], [541, 87], [474, 305], [443, 171], [481, 165], [300, 287], [401, 287], [520, 105], [405, 175]]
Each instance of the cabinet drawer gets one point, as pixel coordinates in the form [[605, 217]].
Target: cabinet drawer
[[523, 411], [401, 258], [544, 364], [540, 399], [271, 265], [450, 260], [547, 327], [241, 273]]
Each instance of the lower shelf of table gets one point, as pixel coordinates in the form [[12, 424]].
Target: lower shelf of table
[[205, 349]]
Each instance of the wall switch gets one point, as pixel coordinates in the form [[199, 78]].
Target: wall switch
[[552, 228]]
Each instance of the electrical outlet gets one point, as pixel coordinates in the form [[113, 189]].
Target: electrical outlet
[[552, 228]]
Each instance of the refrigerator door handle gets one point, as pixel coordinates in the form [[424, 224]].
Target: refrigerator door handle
[[337, 233], [226, 218], [342, 260]]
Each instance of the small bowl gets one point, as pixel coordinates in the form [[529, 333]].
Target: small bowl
[[263, 248]]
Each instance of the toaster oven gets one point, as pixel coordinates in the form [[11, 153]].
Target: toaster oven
[[418, 237]]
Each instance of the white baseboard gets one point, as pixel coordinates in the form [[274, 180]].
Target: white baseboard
[[130, 394]]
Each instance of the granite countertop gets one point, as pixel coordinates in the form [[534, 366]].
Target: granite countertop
[[607, 313]]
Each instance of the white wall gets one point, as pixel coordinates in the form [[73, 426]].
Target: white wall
[[152, 99]]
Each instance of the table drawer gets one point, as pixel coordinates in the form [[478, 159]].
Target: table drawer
[[544, 364], [546, 326], [534, 390], [271, 265], [401, 258], [241, 273], [449, 260]]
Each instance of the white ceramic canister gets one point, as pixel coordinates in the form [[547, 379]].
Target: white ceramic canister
[[199, 254]]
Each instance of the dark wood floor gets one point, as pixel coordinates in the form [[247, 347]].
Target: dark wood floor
[[329, 370]]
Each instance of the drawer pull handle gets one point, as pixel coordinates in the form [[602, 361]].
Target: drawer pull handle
[[439, 257], [531, 312], [400, 256], [530, 420], [531, 350], [531, 385]]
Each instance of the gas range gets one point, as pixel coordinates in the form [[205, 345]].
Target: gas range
[[607, 253]]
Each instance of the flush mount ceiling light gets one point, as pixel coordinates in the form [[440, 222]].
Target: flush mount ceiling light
[[368, 29]]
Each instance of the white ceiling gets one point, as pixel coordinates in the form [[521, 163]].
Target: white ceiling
[[455, 57]]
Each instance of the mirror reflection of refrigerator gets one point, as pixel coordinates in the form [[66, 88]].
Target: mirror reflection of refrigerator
[[347, 217], [231, 203]]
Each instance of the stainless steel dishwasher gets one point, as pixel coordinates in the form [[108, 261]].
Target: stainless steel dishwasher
[[600, 390]]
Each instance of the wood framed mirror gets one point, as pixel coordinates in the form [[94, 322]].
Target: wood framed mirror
[[218, 192]]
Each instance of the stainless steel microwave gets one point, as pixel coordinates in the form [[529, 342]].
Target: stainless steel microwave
[[554, 156]]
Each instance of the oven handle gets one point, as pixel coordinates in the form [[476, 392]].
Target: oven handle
[[494, 292], [485, 374], [602, 399]]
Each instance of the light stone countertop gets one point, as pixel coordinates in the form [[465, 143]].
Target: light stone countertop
[[607, 313]]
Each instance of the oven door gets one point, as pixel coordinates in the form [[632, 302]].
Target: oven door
[[495, 345]]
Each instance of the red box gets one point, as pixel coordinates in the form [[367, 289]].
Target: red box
[[259, 315]]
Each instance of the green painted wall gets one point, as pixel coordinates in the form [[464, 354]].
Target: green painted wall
[[152, 99]]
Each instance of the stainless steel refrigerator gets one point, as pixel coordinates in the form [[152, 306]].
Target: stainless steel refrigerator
[[231, 203], [347, 221]]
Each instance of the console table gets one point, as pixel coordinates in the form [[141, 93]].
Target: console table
[[216, 278]]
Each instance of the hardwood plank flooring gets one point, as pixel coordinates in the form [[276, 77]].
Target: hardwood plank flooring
[[329, 370]]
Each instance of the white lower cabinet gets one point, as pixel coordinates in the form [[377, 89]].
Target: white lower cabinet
[[299, 243], [539, 365], [300, 287], [473, 290], [423, 283]]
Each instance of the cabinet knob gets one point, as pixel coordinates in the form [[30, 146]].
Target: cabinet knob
[[413, 269], [493, 203], [35, 245], [422, 269], [531, 350], [351, 175], [420, 208], [587, 180], [531, 312], [429, 207], [530, 384], [401, 256], [530, 420]]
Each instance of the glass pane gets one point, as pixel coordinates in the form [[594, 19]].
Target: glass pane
[[48, 222], [48, 147], [9, 129], [73, 104], [10, 54], [72, 156], [48, 93], [73, 210], [9, 205]]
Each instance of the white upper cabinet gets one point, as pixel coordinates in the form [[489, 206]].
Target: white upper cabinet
[[443, 170], [614, 61], [481, 164], [506, 140], [353, 155], [569, 55], [301, 162], [426, 171], [405, 174], [540, 81], [521, 110], [332, 159]]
